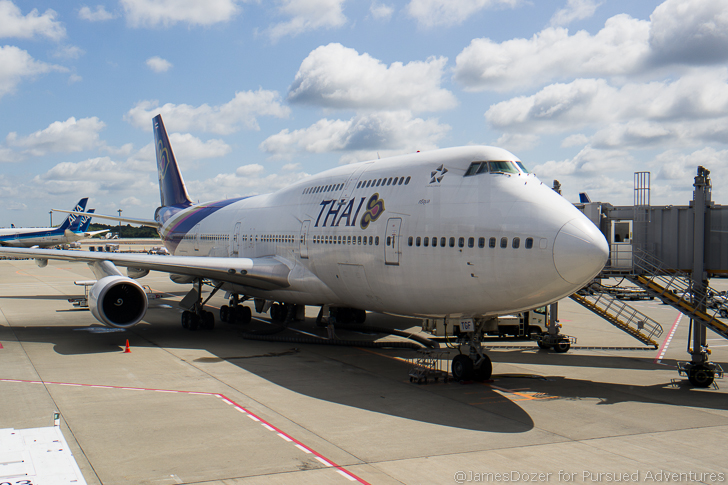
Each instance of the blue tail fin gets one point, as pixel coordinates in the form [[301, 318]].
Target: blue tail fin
[[73, 220], [86, 221], [172, 189]]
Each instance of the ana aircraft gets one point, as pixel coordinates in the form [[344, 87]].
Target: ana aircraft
[[466, 233], [43, 237]]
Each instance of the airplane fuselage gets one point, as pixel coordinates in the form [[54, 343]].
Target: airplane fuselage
[[421, 234]]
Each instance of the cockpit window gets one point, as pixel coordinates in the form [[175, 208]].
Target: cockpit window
[[503, 167], [522, 167]]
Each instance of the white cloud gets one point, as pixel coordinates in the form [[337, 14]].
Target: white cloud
[[133, 201], [515, 142], [247, 180], [60, 136], [575, 140], [360, 138], [152, 13], [381, 11], [98, 15], [14, 24], [157, 64], [690, 32], [431, 13], [186, 148], [240, 112], [688, 110], [92, 177], [620, 48], [16, 64], [334, 76], [307, 15], [574, 10], [68, 52]]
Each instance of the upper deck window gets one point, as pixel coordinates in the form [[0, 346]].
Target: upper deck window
[[503, 167]]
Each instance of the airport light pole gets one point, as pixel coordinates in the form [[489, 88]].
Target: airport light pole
[[51, 213]]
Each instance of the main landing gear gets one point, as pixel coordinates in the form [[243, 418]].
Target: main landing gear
[[475, 365], [196, 316], [235, 312]]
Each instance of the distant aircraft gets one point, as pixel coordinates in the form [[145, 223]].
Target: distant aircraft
[[465, 233], [44, 237], [84, 222]]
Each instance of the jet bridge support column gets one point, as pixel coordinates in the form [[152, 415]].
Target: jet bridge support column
[[700, 371]]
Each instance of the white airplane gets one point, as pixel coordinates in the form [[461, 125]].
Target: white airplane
[[69, 231], [462, 233]]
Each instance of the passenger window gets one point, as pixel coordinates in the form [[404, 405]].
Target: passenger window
[[491, 242], [471, 242], [379, 182], [434, 242], [395, 181], [504, 242], [442, 242], [401, 180], [365, 240], [418, 241], [358, 185], [368, 182], [461, 242], [376, 241], [389, 240], [481, 242], [359, 241], [406, 181], [348, 239], [389, 182], [427, 242], [370, 240], [452, 242], [516, 243], [529, 243], [409, 240]]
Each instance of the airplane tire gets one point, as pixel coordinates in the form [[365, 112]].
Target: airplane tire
[[542, 345], [485, 370], [243, 315], [225, 313], [462, 368], [185, 318], [208, 320], [360, 316], [701, 376], [277, 312], [562, 346], [194, 321]]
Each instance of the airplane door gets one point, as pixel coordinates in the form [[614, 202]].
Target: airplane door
[[391, 241], [304, 239], [235, 242]]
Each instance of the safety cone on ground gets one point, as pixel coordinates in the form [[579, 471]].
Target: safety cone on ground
[[127, 350]]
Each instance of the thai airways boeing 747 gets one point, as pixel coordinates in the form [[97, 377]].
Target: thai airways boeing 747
[[461, 233]]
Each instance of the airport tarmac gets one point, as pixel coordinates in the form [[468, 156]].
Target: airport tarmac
[[210, 407]]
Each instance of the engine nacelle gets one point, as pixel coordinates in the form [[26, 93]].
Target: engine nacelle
[[136, 273], [118, 301]]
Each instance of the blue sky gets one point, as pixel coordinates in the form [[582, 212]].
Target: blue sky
[[258, 94]]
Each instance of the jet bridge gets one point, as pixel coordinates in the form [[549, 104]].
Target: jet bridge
[[671, 252]]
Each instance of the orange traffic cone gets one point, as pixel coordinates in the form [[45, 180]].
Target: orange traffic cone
[[127, 350]]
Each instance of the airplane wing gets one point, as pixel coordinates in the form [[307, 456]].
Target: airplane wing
[[266, 273], [130, 220]]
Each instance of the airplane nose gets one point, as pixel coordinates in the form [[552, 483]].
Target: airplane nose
[[580, 251]]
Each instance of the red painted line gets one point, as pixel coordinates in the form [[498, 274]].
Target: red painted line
[[663, 348], [347, 474]]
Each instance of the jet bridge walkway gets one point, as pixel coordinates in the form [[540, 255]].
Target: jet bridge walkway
[[673, 287], [620, 314]]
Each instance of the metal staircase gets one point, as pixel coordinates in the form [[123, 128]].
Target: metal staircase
[[620, 314], [674, 288]]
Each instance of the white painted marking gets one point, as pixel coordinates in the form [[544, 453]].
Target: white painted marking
[[351, 479], [303, 449], [253, 417], [326, 463], [285, 437], [267, 427]]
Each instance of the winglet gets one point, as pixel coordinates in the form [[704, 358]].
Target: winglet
[[172, 189]]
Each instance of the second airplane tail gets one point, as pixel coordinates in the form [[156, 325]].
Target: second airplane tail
[[172, 188], [73, 220]]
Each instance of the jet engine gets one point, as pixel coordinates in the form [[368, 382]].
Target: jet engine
[[118, 301]]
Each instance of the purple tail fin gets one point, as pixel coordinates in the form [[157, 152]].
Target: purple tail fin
[[171, 186]]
